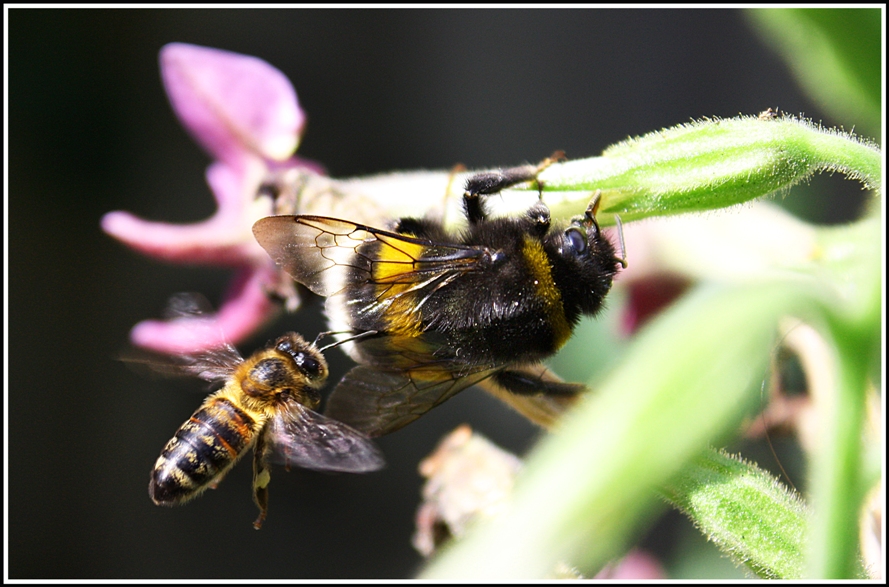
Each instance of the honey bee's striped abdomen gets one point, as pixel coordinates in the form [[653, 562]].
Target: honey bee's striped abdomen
[[203, 450]]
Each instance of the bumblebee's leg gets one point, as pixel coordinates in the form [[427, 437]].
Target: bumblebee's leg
[[421, 228], [455, 170], [542, 409], [483, 184], [593, 206], [473, 206], [526, 383], [261, 477]]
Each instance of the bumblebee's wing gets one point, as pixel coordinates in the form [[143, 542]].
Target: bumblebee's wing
[[380, 402], [328, 255], [297, 436]]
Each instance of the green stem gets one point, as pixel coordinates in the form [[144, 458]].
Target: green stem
[[837, 482], [706, 165]]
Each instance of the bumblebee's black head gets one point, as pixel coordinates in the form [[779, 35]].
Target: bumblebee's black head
[[584, 263]]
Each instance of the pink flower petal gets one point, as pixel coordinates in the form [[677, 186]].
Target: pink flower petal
[[226, 238], [247, 305], [178, 243], [245, 113], [232, 104], [245, 310], [637, 565], [235, 189]]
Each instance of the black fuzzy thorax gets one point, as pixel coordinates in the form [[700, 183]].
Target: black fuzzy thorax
[[496, 316]]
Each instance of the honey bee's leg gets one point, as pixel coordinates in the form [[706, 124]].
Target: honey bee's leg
[[483, 184], [261, 477]]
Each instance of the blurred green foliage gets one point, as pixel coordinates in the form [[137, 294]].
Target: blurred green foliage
[[836, 56]]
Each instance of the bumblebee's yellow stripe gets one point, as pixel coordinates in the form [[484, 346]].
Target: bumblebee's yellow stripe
[[538, 262], [397, 258]]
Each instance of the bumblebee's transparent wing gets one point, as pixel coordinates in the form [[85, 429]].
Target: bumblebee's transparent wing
[[379, 402], [399, 379], [328, 255], [299, 437]]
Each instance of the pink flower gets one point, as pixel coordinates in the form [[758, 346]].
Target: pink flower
[[637, 565], [245, 114]]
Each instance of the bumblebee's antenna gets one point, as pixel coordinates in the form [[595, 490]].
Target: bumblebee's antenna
[[620, 235], [591, 211], [339, 342]]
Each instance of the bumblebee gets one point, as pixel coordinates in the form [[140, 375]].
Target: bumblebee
[[266, 402], [445, 311]]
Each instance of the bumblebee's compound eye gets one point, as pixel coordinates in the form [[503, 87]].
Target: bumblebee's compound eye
[[576, 239]]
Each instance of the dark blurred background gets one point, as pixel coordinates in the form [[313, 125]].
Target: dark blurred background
[[90, 131]]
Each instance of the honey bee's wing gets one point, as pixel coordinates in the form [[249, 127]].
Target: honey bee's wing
[[298, 436], [328, 256], [379, 402], [210, 365], [213, 364]]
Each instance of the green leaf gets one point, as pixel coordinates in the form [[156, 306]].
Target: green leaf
[[589, 488], [685, 383], [748, 513], [694, 167]]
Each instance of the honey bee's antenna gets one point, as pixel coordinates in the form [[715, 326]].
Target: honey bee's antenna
[[339, 342]]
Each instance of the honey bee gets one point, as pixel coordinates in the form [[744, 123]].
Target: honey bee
[[266, 402], [446, 311]]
